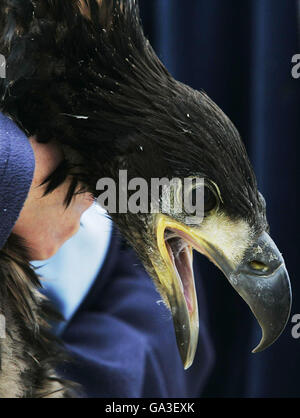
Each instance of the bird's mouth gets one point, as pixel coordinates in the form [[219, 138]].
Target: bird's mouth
[[181, 256], [182, 298], [264, 285], [176, 244]]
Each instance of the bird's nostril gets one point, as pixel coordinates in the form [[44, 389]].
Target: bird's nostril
[[258, 266]]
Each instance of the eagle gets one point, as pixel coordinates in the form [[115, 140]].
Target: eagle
[[82, 72]]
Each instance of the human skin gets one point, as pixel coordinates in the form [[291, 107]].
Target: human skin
[[45, 222]]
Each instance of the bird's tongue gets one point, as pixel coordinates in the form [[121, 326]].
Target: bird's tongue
[[181, 256]]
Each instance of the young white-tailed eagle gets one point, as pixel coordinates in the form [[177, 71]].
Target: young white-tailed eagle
[[83, 73]]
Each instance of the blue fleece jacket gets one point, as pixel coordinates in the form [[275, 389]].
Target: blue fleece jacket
[[16, 172]]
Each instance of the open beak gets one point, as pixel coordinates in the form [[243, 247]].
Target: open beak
[[260, 278]]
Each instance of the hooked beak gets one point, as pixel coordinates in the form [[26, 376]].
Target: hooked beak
[[261, 279], [263, 282]]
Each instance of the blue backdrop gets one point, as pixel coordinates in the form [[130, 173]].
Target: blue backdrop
[[240, 53]]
